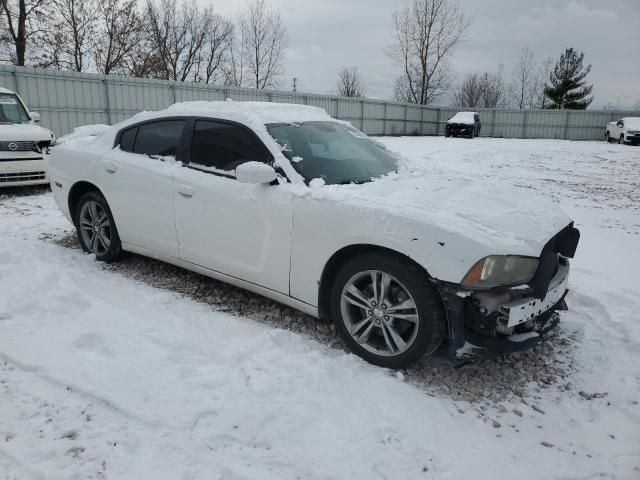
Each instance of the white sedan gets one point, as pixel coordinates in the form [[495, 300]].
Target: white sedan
[[625, 130], [287, 202]]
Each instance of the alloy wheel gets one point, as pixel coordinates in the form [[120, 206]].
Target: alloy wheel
[[95, 227], [379, 313]]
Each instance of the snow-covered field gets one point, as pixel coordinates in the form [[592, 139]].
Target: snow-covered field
[[105, 375]]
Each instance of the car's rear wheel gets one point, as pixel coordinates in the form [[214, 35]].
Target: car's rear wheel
[[386, 310], [96, 229], [607, 138]]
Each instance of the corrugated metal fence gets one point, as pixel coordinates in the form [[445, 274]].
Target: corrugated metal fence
[[66, 100]]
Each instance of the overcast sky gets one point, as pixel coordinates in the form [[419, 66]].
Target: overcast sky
[[326, 35]]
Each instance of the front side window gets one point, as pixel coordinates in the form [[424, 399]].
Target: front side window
[[337, 153], [158, 138], [221, 146], [127, 139], [12, 110]]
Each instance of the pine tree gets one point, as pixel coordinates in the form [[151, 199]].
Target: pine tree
[[567, 88]]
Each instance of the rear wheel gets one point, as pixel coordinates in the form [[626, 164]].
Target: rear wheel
[[386, 310], [607, 138], [96, 229]]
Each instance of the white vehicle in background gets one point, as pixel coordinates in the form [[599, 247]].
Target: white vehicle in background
[[625, 130], [24, 146], [285, 201]]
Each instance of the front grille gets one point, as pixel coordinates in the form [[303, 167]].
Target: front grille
[[21, 177], [23, 146]]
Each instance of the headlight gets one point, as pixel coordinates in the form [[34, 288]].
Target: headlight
[[632, 132], [501, 270]]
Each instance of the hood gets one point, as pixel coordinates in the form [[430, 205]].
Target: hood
[[24, 132], [504, 219]]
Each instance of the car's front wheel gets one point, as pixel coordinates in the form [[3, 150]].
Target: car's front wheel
[[621, 141], [607, 138], [96, 229], [386, 310]]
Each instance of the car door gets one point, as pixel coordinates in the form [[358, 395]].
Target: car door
[[137, 176], [234, 228]]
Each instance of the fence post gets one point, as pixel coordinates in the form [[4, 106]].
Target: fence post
[[493, 122], [422, 109], [384, 120], [566, 126], [337, 104], [362, 115], [106, 97], [438, 119], [406, 111], [524, 124], [14, 73]]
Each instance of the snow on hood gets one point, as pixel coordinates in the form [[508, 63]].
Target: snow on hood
[[463, 117], [24, 132], [504, 218], [632, 123]]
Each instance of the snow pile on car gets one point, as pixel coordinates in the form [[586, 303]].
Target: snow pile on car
[[84, 133], [463, 117]]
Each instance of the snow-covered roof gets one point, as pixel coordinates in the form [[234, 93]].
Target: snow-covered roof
[[463, 117], [245, 112], [6, 90]]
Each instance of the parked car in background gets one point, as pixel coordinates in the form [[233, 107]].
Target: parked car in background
[[24, 146], [625, 130], [463, 124], [285, 201]]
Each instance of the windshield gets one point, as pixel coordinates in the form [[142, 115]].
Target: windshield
[[11, 109], [336, 153]]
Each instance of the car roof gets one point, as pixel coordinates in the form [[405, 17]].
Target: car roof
[[249, 113]]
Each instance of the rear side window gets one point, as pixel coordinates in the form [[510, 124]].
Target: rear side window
[[159, 138], [127, 138], [224, 146]]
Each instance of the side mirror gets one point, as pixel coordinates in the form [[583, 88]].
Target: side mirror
[[255, 172], [35, 116]]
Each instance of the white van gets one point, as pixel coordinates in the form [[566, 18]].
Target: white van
[[24, 146]]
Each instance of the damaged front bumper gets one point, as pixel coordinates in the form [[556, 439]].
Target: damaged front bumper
[[503, 320]]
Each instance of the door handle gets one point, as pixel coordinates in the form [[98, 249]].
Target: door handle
[[110, 168], [185, 191]]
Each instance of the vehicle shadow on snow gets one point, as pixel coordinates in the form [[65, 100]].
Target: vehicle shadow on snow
[[10, 192], [496, 379]]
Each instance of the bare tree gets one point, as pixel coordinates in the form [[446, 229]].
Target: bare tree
[[177, 36], [216, 50], [19, 26], [350, 83], [426, 32], [119, 31], [262, 44], [72, 34], [537, 95], [524, 79], [481, 90]]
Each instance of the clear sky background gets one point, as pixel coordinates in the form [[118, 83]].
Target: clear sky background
[[326, 35]]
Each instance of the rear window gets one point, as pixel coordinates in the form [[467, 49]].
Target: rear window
[[159, 138], [127, 138]]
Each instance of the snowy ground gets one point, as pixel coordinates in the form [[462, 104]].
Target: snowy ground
[[118, 372]]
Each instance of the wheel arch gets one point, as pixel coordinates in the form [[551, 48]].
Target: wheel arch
[[76, 192], [336, 260]]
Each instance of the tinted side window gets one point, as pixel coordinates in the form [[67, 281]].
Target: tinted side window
[[224, 146], [127, 138], [159, 138]]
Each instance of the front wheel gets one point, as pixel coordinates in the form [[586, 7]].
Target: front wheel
[[607, 138], [96, 229], [386, 310], [621, 141]]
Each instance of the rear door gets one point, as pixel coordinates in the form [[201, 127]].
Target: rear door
[[137, 176], [234, 228]]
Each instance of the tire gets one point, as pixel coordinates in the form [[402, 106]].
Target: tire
[[95, 227], [403, 325], [607, 138], [621, 140], [447, 134]]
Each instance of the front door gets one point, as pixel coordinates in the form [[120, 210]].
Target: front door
[[234, 228]]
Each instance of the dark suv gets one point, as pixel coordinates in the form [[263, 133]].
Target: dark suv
[[463, 124]]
